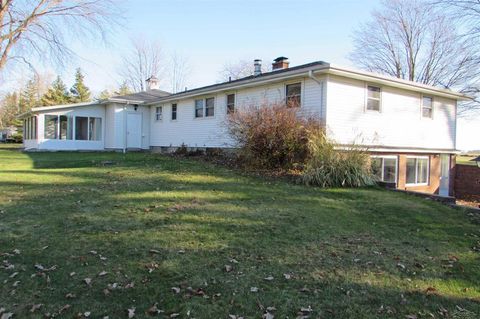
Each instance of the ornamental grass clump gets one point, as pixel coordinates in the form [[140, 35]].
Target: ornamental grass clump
[[327, 166]]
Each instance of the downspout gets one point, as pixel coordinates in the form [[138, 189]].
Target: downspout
[[320, 83], [311, 76], [125, 128]]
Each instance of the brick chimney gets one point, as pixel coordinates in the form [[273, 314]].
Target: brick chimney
[[152, 83], [280, 63]]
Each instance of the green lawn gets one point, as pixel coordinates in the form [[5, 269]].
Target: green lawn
[[466, 159], [232, 244]]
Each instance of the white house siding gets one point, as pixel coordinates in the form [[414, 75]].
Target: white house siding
[[54, 144], [398, 124], [211, 131], [116, 125]]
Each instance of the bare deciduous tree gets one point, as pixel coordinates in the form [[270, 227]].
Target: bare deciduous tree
[[238, 70], [41, 27], [142, 61], [179, 72], [410, 39]]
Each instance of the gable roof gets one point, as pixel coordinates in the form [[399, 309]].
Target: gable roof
[[140, 97], [317, 67]]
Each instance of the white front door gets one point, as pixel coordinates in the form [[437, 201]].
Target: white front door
[[134, 130], [444, 175]]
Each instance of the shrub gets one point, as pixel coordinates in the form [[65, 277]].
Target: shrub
[[329, 167], [271, 136]]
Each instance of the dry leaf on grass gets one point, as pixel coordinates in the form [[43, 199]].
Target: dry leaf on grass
[[36, 307], [7, 315], [153, 310], [131, 312], [253, 289], [103, 273], [269, 278], [176, 290], [87, 281]]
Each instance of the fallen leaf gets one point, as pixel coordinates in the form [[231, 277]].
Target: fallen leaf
[[70, 295], [401, 266], [88, 281], [153, 310], [63, 309], [15, 284], [176, 290], [268, 315], [253, 289], [130, 285], [131, 312], [269, 278], [234, 261], [39, 267], [72, 274], [14, 275], [103, 273], [411, 317], [87, 314], [287, 276], [7, 315], [228, 268], [271, 309], [154, 251], [16, 251], [174, 315], [36, 307]]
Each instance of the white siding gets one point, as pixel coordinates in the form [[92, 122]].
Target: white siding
[[54, 144], [210, 131], [116, 123], [399, 124]]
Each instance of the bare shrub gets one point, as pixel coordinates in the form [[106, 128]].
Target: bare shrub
[[272, 136]]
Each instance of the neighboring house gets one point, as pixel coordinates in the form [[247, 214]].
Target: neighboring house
[[409, 127], [6, 134]]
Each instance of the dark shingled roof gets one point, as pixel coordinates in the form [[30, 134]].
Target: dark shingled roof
[[251, 77], [145, 96]]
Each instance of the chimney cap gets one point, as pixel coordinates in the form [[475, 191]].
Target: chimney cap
[[152, 78], [280, 59]]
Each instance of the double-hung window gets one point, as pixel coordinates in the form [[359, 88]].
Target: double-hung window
[[158, 113], [210, 106], [427, 107], [374, 95], [174, 111], [293, 93], [385, 168], [230, 103], [199, 108], [417, 170], [205, 107]]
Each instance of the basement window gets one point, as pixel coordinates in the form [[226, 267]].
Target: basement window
[[384, 168], [374, 98], [417, 170]]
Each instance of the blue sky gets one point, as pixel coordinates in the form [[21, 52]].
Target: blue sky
[[210, 33]]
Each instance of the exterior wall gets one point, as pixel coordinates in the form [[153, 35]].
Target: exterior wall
[[116, 125], [53, 144], [398, 124], [434, 172], [467, 181], [210, 131]]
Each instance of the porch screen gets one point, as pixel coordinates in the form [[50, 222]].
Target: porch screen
[[81, 128]]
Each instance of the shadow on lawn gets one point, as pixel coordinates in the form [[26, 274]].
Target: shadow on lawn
[[212, 215]]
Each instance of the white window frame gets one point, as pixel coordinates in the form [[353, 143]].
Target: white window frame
[[74, 128], [422, 96], [380, 99], [159, 115], [416, 171], [234, 102], [204, 108], [301, 91], [383, 165]]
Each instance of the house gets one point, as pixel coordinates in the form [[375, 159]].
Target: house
[[7, 134], [408, 127]]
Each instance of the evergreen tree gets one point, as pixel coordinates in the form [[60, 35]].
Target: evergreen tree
[[124, 89], [29, 97], [57, 94], [105, 94], [9, 109], [80, 92]]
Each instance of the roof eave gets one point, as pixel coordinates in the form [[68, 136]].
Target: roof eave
[[398, 83]]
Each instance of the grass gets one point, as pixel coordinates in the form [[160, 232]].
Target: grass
[[160, 222], [466, 159]]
